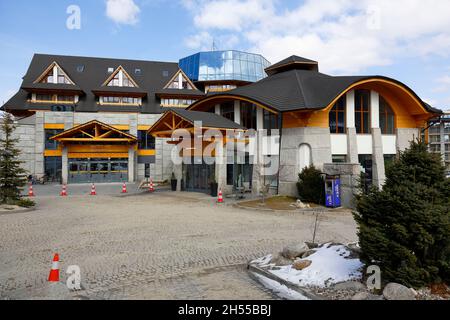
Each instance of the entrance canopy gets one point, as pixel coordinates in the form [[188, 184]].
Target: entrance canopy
[[175, 119], [94, 132]]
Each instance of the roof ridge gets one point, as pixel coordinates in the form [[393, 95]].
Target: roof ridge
[[100, 58]]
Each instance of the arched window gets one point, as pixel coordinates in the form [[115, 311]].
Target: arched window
[[304, 156], [387, 116], [337, 117], [362, 111]]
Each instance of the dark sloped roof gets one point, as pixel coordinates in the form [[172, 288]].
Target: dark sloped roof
[[124, 90], [292, 62], [180, 92], [95, 73], [299, 89], [208, 119], [52, 86]]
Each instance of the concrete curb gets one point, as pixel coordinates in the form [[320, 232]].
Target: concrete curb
[[303, 291], [305, 210], [17, 211]]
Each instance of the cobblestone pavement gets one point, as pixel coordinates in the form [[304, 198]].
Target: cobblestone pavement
[[152, 246]]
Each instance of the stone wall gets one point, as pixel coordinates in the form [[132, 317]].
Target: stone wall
[[319, 141], [349, 174], [25, 132]]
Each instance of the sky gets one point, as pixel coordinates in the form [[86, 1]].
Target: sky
[[408, 40]]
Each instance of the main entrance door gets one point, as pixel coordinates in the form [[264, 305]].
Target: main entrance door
[[98, 170], [197, 177]]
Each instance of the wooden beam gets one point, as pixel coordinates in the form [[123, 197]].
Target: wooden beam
[[97, 139], [96, 130], [90, 135], [106, 134], [168, 125]]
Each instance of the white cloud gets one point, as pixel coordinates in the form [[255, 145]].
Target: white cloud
[[443, 84], [346, 36], [122, 11]]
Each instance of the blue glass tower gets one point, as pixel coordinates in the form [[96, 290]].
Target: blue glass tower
[[224, 65]]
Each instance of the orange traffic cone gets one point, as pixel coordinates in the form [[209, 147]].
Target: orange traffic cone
[[30, 190], [151, 189], [93, 192], [220, 198], [54, 271], [124, 188], [64, 190]]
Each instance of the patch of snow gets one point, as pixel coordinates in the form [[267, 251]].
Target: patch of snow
[[280, 289], [263, 261], [329, 266]]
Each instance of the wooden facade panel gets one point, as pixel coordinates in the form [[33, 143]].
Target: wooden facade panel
[[54, 126], [92, 148], [72, 155]]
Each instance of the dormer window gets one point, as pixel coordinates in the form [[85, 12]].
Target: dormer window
[[54, 74], [120, 78], [180, 81]]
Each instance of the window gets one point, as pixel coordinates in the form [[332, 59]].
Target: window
[[337, 117], [51, 144], [386, 117], [80, 68], [339, 158], [52, 168], [227, 110], [62, 78], [65, 98], [435, 148], [127, 82], [44, 97], [121, 100], [165, 73], [362, 111], [248, 115], [49, 77], [138, 71], [54, 98], [166, 102], [114, 81], [270, 121], [145, 141]]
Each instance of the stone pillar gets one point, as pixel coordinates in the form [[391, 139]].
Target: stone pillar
[[178, 172], [133, 129], [39, 145], [374, 109], [237, 111], [221, 166], [65, 165], [352, 145], [131, 160], [217, 109], [378, 173], [259, 119]]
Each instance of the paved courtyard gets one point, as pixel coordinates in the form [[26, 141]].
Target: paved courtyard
[[163, 245]]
